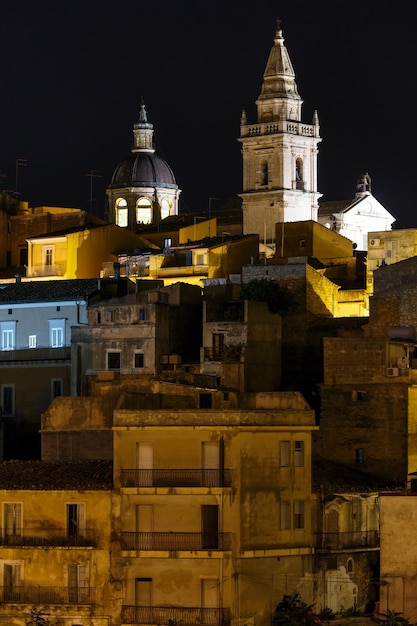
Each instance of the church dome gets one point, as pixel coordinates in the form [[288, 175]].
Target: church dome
[[143, 169]]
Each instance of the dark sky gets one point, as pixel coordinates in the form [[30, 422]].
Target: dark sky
[[73, 75]]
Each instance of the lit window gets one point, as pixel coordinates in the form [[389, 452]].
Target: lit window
[[165, 208], [144, 211], [121, 213]]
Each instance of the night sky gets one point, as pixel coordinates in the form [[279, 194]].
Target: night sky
[[73, 75]]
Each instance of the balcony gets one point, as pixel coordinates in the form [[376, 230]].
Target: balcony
[[47, 537], [46, 270], [347, 540], [169, 542], [228, 354], [174, 615], [175, 478], [47, 595], [36, 354]]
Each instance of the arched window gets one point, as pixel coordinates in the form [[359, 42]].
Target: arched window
[[299, 174], [349, 565], [165, 208], [263, 173], [144, 211], [121, 212]]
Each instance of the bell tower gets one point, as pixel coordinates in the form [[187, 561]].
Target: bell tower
[[279, 152]]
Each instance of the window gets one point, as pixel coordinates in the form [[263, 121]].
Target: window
[[139, 360], [218, 345], [48, 256], [391, 249], [32, 341], [167, 242], [285, 519], [299, 514], [9, 311], [210, 526], [360, 456], [113, 360], [144, 211], [359, 396], [56, 333], [298, 453], [12, 519], [57, 385], [285, 454], [165, 208], [11, 582], [8, 335], [75, 520], [7, 400], [122, 213], [78, 590], [141, 315]]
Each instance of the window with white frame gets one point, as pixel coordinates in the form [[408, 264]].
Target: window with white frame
[[32, 341], [113, 360], [165, 208], [8, 335], [7, 400], [122, 213], [56, 333], [144, 211], [48, 256], [78, 590]]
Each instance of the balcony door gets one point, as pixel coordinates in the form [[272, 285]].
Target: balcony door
[[78, 591], [13, 519], [210, 526], [11, 574], [144, 462], [144, 526], [143, 601], [75, 520], [209, 600], [212, 462]]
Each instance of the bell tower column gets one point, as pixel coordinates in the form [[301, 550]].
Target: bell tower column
[[279, 153]]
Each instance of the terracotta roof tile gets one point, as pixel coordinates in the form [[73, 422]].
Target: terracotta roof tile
[[56, 475]]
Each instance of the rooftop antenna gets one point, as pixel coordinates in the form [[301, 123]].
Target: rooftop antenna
[[93, 174]]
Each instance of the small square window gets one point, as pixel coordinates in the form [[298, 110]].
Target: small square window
[[302, 243], [10, 311]]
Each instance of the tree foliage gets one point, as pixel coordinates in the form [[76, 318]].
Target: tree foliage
[[279, 299], [293, 611]]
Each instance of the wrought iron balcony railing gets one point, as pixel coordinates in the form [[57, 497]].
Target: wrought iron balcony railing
[[50, 537], [48, 595], [175, 478], [175, 615], [190, 542], [347, 540]]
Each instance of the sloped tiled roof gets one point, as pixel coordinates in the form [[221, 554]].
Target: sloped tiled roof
[[50, 290], [337, 206], [331, 478], [56, 475]]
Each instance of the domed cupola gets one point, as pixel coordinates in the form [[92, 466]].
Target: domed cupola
[[143, 189]]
